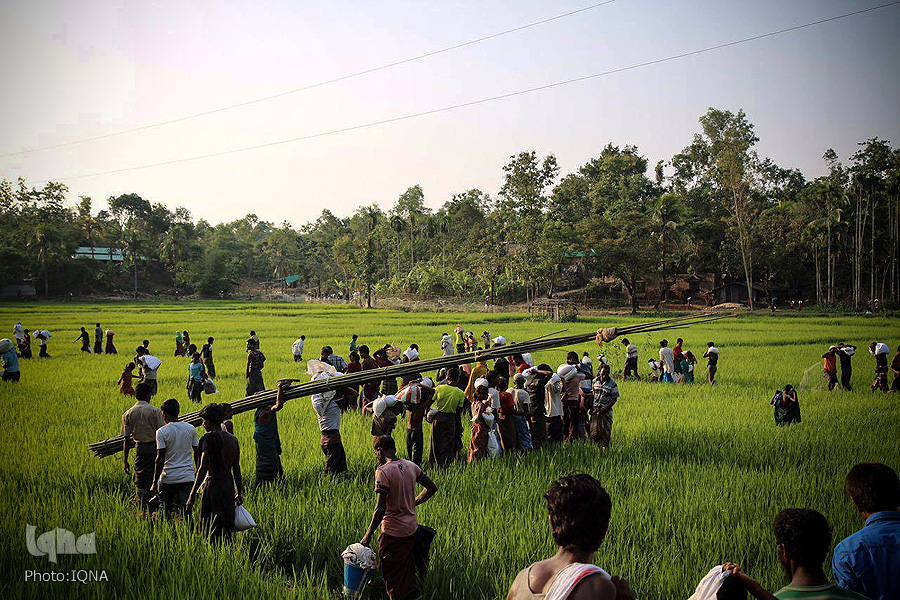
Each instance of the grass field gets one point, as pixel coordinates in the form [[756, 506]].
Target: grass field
[[696, 473]]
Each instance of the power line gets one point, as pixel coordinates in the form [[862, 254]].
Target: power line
[[312, 85], [491, 98]]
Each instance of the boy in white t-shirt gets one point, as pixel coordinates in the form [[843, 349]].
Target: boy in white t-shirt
[[177, 456]]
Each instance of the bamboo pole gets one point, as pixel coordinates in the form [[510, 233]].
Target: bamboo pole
[[113, 445]]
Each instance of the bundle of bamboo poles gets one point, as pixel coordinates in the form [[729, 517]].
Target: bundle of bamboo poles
[[267, 398]]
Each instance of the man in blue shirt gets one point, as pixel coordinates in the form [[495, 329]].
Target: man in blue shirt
[[10, 360], [868, 561]]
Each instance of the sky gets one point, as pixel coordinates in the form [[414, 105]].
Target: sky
[[75, 70]]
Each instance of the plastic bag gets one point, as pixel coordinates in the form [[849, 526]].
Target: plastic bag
[[359, 556], [243, 520], [493, 445], [209, 387]]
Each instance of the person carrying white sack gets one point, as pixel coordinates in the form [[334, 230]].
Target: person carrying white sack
[[880, 351]]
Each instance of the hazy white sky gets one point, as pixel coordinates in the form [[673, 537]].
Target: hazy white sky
[[79, 69]]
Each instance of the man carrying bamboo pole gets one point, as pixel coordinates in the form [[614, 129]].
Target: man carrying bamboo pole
[[139, 425], [446, 427]]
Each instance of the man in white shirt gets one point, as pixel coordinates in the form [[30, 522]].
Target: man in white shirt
[[298, 349], [177, 454], [328, 412], [139, 426], [554, 408], [150, 365], [667, 358]]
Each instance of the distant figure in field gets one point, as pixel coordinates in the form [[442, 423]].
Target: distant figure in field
[[149, 365], [446, 345], [631, 360], [196, 378], [353, 343], [255, 362], [895, 369], [187, 342], [10, 359], [787, 406], [845, 354], [25, 345], [110, 346], [253, 336], [579, 510], [446, 423], [268, 442], [297, 348], [667, 358], [829, 367], [712, 362], [395, 513], [85, 339], [459, 334], [179, 344], [43, 335], [98, 339], [126, 387], [219, 474], [655, 370], [206, 355], [18, 333], [177, 455], [802, 541], [880, 351], [139, 425], [868, 561], [606, 394]]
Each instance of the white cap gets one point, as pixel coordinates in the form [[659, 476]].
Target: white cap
[[481, 382], [428, 382]]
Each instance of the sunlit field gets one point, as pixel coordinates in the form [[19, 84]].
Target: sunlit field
[[696, 473]]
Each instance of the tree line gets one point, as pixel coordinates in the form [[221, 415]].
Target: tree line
[[717, 207]]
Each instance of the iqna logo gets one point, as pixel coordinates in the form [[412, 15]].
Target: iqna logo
[[59, 541]]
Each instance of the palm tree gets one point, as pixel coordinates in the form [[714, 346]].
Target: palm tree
[[398, 225], [131, 236]]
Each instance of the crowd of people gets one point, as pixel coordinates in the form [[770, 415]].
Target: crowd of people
[[512, 405]]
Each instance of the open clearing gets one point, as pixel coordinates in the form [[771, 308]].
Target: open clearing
[[696, 473]]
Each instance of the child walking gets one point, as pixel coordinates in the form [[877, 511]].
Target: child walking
[[126, 388]]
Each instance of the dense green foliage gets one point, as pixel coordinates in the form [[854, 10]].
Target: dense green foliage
[[715, 208], [696, 473]]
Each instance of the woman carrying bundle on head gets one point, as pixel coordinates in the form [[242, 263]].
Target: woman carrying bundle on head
[[110, 347], [880, 351], [179, 344], [787, 407]]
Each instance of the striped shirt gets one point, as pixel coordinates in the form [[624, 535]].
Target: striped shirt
[[829, 591]]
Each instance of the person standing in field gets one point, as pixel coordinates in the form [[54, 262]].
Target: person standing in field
[[829, 367], [712, 362], [485, 340], [187, 343], [370, 390], [880, 351], [98, 339], [196, 379], [42, 335], [571, 377], [868, 561], [254, 337], [536, 380], [126, 387], [179, 344], [297, 348], [219, 475], [522, 408], [177, 455], [139, 425], [149, 368], [446, 345], [553, 408], [631, 360], [18, 333], [415, 438], [395, 513], [667, 358], [353, 343], [479, 371], [10, 359], [335, 360], [606, 394], [802, 541], [268, 442], [845, 353], [579, 511], [85, 339], [895, 369], [787, 406], [506, 419], [25, 345], [446, 427], [482, 419], [328, 412], [206, 355], [255, 362], [460, 339], [110, 346]]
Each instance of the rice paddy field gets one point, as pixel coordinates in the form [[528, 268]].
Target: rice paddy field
[[696, 473]]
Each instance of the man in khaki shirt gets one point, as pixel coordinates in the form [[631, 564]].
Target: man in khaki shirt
[[139, 425]]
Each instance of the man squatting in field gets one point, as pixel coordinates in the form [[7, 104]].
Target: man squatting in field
[[401, 544]]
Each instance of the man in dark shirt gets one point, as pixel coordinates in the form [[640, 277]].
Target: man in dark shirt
[[206, 353], [845, 353]]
